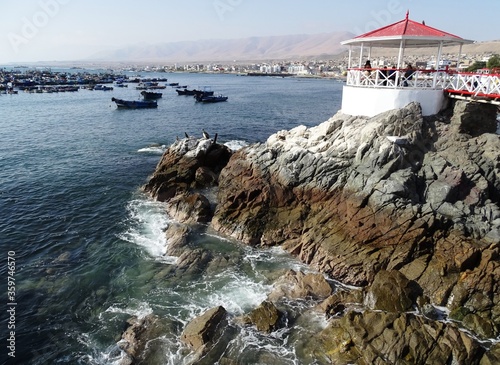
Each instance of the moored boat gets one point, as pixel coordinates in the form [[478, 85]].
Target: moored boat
[[185, 92], [211, 98], [150, 95], [135, 104], [103, 87], [201, 93]]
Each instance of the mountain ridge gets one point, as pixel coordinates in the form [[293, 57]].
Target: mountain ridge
[[250, 48]]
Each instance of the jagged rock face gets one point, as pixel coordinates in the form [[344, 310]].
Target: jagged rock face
[[190, 208], [189, 163], [474, 118], [375, 337], [354, 195]]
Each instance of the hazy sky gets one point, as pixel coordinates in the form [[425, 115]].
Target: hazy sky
[[44, 30]]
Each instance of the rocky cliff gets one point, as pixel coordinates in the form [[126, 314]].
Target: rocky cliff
[[356, 197]]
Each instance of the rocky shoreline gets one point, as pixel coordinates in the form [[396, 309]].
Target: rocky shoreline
[[405, 208]]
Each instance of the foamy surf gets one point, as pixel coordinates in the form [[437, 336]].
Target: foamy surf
[[236, 292], [146, 227], [235, 145], [140, 311], [153, 149]]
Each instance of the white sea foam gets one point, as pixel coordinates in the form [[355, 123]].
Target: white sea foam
[[140, 310], [251, 342], [154, 149], [236, 292], [146, 227], [275, 256], [235, 145], [112, 355]]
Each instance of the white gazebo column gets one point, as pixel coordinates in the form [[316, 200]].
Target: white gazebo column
[[438, 59], [361, 56], [459, 57], [400, 59], [400, 55], [350, 55]]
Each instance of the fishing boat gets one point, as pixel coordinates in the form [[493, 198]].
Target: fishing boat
[[185, 92], [202, 93], [135, 104], [151, 95], [211, 98], [103, 87]]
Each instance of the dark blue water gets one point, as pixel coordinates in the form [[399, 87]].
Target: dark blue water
[[88, 244]]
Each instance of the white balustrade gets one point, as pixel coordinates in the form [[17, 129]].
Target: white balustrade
[[467, 83]]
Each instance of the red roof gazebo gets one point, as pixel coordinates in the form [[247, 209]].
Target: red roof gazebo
[[407, 33], [388, 92]]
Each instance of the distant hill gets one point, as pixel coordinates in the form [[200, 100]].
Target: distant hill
[[254, 48]]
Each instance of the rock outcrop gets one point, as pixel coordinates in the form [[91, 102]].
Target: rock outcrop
[[189, 164], [406, 207], [135, 339], [207, 335], [297, 285], [355, 195], [266, 317], [376, 337]]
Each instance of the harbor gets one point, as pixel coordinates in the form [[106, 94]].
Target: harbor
[[300, 199]]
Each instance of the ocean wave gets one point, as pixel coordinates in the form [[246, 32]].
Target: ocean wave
[[145, 227], [155, 149], [141, 310], [235, 145], [236, 292]]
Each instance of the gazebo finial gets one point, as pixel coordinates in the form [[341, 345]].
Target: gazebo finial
[[407, 13]]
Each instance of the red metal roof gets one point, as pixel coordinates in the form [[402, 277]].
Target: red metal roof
[[407, 27]]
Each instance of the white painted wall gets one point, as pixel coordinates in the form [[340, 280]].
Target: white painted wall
[[372, 101]]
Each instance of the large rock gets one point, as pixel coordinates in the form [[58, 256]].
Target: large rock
[[474, 118], [139, 333], [190, 208], [266, 317], [202, 330], [391, 291], [492, 357], [357, 195], [297, 285], [208, 336], [188, 164], [340, 301], [376, 337]]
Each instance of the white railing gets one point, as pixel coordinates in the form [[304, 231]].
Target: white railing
[[474, 84], [467, 83]]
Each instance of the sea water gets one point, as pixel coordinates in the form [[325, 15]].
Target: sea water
[[89, 245]]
